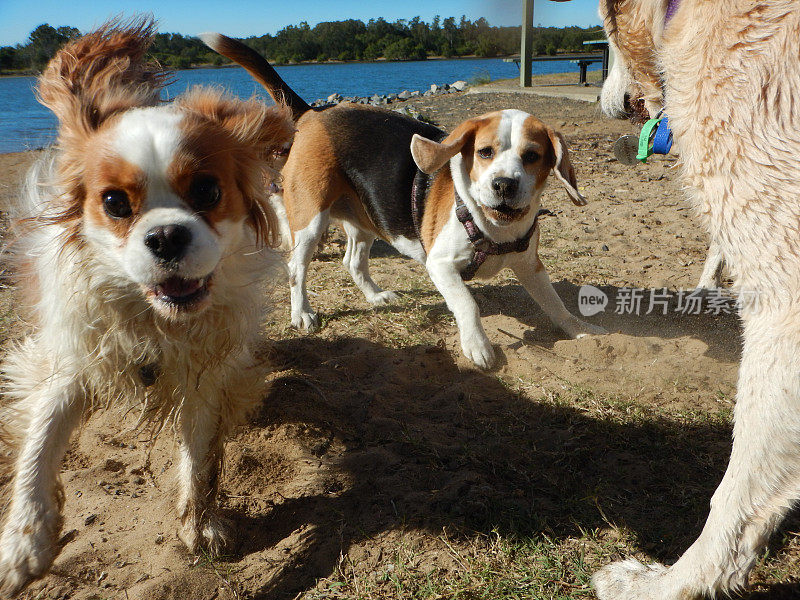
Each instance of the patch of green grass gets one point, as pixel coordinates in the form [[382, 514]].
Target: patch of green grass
[[490, 567], [480, 77]]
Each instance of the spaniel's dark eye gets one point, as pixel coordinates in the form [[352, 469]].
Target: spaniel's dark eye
[[487, 152], [531, 156], [116, 204], [204, 193]]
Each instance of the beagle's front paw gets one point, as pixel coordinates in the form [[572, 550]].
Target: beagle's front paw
[[478, 349], [306, 320], [382, 298], [575, 328]]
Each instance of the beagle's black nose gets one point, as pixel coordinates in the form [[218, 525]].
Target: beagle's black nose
[[505, 187], [168, 242]]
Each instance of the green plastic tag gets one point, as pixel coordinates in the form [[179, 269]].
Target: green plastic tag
[[645, 148]]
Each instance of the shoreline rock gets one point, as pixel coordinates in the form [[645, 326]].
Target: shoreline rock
[[387, 99]]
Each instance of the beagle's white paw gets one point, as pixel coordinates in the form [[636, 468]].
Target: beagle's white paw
[[382, 298], [478, 349], [589, 329], [306, 320], [575, 328]]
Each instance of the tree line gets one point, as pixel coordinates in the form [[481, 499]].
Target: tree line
[[352, 39]]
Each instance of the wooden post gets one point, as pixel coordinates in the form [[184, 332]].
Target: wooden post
[[526, 48]]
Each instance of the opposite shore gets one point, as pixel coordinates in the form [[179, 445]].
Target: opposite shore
[[561, 56]]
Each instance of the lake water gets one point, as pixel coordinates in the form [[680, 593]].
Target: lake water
[[25, 124]]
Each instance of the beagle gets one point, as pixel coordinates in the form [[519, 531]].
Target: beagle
[[465, 205]]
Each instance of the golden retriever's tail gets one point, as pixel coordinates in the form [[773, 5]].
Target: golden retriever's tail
[[259, 68]]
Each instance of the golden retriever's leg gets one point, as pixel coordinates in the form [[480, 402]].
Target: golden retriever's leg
[[356, 260], [46, 417], [616, 86], [201, 451], [759, 486]]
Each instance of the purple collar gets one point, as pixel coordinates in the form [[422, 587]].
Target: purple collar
[[672, 6]]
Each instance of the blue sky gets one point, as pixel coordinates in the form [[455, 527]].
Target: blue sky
[[243, 18]]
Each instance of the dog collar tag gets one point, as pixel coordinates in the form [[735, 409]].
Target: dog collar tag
[[626, 148], [645, 135], [662, 140]]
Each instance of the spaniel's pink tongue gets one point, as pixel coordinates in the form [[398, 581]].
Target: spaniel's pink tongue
[[177, 287]]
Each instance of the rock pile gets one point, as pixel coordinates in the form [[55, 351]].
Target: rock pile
[[385, 99]]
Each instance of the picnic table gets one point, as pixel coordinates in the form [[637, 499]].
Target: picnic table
[[582, 60], [583, 64]]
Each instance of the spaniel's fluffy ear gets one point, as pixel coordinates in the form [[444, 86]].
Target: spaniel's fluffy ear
[[251, 123], [101, 74], [256, 133]]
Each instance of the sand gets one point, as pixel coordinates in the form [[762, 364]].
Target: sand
[[377, 434]]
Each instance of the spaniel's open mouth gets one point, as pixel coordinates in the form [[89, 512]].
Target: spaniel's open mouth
[[181, 294], [505, 213]]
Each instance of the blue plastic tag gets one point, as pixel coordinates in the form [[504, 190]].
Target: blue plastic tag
[[662, 140]]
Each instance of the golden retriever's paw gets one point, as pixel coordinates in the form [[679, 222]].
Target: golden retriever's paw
[[212, 534], [631, 580], [478, 349], [27, 550]]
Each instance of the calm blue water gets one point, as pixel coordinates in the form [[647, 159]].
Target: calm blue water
[[25, 124]]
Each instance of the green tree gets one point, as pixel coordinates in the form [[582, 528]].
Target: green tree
[[405, 49], [44, 41], [9, 58], [487, 47], [351, 39]]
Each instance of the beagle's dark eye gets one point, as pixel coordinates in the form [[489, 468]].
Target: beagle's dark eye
[[204, 193], [530, 156], [487, 152], [116, 204]]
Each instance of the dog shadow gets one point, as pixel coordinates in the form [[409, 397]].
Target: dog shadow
[[422, 444], [778, 591], [720, 332]]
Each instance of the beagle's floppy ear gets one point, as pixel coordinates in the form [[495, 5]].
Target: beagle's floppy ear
[[431, 156], [563, 168]]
